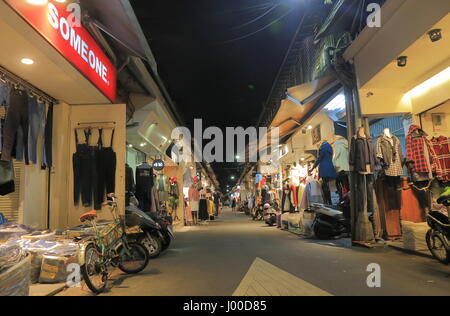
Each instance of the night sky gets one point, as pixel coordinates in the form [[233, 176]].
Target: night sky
[[219, 58]]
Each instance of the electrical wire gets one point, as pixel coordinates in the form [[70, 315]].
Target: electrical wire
[[257, 18], [258, 7], [259, 30]]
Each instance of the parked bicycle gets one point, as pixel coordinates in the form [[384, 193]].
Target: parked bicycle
[[109, 248]]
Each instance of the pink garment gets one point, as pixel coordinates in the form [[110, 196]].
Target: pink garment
[[194, 194]]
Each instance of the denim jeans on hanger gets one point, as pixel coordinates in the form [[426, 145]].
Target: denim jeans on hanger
[[47, 159], [17, 115], [36, 114]]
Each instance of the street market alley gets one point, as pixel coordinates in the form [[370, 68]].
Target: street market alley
[[235, 255]]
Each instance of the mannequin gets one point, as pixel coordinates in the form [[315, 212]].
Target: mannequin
[[362, 164], [390, 155], [340, 162], [327, 172], [194, 200]]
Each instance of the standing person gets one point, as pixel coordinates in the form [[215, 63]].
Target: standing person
[[233, 204], [216, 197]]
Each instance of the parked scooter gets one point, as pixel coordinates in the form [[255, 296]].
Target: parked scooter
[[332, 222], [165, 222], [151, 238], [258, 212], [270, 215], [156, 226]]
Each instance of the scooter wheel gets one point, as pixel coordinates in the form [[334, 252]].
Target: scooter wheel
[[152, 244], [320, 234]]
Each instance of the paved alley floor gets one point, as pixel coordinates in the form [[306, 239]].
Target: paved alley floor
[[235, 255]]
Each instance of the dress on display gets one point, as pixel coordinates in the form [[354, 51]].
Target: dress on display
[[203, 206]]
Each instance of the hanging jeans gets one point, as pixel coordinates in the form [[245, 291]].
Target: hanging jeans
[[17, 116], [364, 196], [106, 168], [36, 117], [47, 160], [85, 172]]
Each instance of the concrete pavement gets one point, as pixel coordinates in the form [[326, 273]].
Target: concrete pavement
[[218, 259]]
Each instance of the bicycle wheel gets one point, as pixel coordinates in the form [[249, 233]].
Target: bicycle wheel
[[437, 247], [94, 272], [134, 260]]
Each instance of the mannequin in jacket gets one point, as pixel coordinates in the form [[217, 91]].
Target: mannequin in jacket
[[327, 172]]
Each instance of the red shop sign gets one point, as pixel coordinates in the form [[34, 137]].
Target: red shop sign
[[51, 20]]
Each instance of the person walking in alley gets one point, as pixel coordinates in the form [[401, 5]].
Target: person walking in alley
[[233, 204]]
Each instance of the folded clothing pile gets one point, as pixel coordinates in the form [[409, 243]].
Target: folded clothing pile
[[10, 230], [14, 271]]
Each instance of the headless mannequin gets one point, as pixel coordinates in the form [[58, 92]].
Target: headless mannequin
[[362, 134]]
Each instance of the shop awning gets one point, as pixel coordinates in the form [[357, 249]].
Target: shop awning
[[300, 104], [117, 20]]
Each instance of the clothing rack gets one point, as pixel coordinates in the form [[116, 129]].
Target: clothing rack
[[16, 80], [99, 125]]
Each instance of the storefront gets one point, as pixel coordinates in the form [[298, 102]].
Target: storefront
[[72, 88], [405, 99], [149, 139]]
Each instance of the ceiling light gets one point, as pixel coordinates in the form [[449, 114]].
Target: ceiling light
[[402, 61], [130, 146], [37, 2], [310, 127], [440, 78], [435, 35], [27, 61]]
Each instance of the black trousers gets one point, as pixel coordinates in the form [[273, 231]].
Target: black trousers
[[326, 190], [106, 172], [47, 161], [16, 116], [394, 195], [86, 175]]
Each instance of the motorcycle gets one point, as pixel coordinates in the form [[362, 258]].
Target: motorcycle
[[258, 212], [156, 226], [438, 237], [165, 222], [151, 236], [331, 222]]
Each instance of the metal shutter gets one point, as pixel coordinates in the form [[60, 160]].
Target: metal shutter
[[9, 204]]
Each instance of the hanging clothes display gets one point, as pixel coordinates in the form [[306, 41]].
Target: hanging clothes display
[[341, 155], [106, 168], [163, 187], [144, 186], [441, 149], [312, 194], [420, 151], [286, 202], [83, 170], [203, 206], [17, 116]]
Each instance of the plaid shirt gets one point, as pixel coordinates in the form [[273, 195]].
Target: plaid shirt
[[416, 144], [441, 147]]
